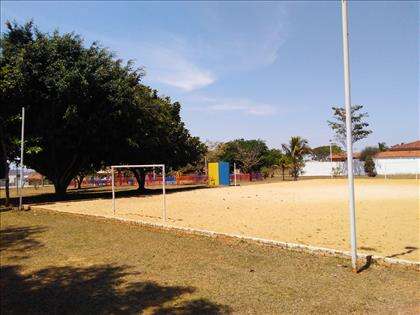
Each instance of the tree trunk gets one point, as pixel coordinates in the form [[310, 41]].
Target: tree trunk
[[61, 185], [7, 185], [295, 174], [282, 172], [140, 176], [4, 171], [60, 189], [79, 181], [63, 177]]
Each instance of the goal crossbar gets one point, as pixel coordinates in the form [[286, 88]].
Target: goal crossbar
[[162, 166], [137, 166]]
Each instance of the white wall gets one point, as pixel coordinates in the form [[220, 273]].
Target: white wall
[[393, 166], [316, 168], [396, 166]]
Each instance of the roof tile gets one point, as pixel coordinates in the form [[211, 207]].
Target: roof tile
[[398, 154]]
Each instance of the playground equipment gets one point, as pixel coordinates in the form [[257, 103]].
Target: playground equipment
[[218, 173]]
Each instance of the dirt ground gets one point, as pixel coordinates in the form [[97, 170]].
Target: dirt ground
[[311, 212], [55, 263]]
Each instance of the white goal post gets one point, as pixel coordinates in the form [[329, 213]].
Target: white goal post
[[162, 166]]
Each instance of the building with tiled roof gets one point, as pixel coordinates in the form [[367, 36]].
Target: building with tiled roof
[[406, 146], [402, 150], [403, 158], [342, 156]]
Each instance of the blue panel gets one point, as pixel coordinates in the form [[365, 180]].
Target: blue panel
[[224, 173]]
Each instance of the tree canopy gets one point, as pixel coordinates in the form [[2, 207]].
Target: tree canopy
[[322, 153], [359, 125], [368, 152], [84, 108], [295, 151], [249, 155], [382, 146]]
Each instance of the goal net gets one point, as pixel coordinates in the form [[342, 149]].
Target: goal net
[[147, 166]]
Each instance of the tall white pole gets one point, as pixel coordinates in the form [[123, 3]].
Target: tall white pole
[[234, 172], [331, 159], [344, 14], [164, 192], [113, 189], [22, 141]]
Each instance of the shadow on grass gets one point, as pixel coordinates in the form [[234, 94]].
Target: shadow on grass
[[93, 290], [100, 289], [408, 250], [3, 208], [20, 239], [98, 193]]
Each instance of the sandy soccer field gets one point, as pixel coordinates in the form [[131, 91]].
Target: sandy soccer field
[[311, 212]]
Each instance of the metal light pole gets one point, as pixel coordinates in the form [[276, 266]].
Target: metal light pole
[[164, 192], [344, 15], [113, 189], [22, 140], [331, 159]]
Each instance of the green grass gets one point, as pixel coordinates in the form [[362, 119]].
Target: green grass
[[63, 263]]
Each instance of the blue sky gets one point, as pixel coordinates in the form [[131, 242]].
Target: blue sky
[[266, 70]]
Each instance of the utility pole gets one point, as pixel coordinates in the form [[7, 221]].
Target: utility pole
[[350, 176], [22, 141]]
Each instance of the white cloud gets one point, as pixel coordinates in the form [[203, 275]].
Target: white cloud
[[224, 38], [188, 79], [169, 61], [173, 68], [238, 105]]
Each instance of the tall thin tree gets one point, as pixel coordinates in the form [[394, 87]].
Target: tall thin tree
[[295, 151], [358, 120]]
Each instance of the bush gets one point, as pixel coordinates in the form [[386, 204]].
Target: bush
[[370, 167], [267, 171], [368, 152], [337, 171]]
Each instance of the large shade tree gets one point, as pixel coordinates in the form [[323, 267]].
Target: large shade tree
[[78, 100], [161, 136], [249, 155], [85, 109], [11, 100]]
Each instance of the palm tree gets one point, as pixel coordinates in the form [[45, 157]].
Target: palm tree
[[295, 151], [382, 146]]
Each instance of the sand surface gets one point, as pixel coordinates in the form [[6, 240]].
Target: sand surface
[[311, 212]]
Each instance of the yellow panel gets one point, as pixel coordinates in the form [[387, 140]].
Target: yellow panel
[[213, 174]]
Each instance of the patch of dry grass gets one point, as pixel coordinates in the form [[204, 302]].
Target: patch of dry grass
[[57, 262]]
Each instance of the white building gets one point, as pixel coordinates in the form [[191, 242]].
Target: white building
[[337, 166], [400, 159]]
